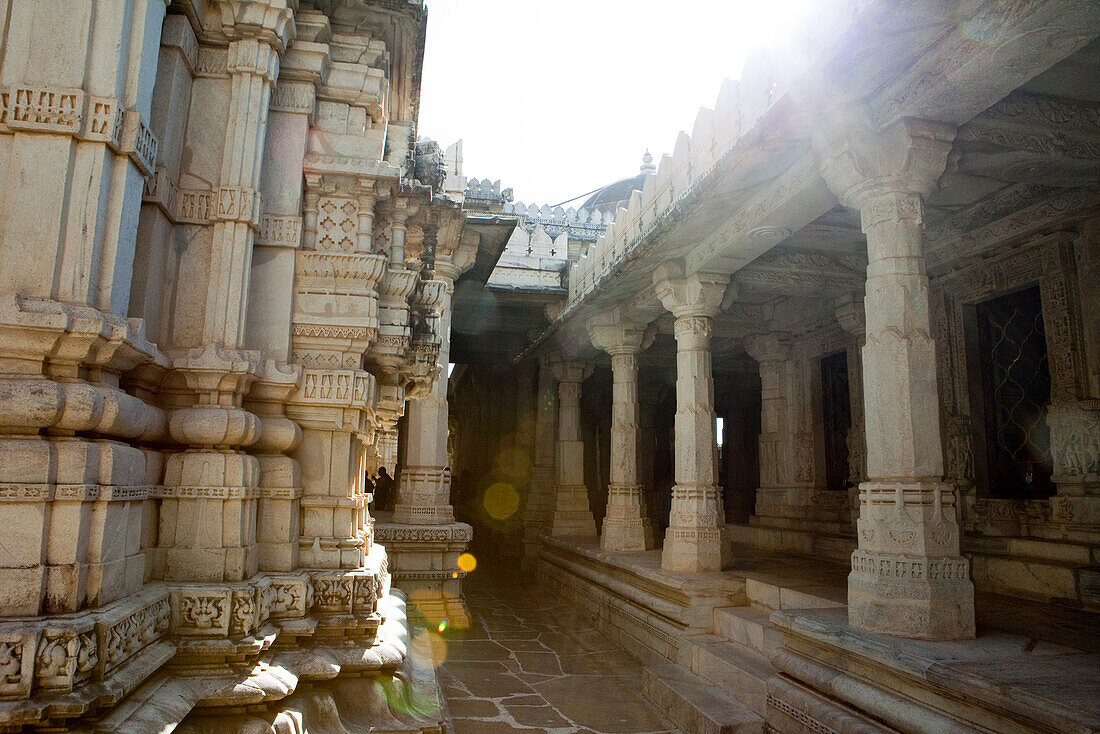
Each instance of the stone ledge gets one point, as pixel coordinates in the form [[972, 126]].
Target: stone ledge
[[998, 682], [638, 605]]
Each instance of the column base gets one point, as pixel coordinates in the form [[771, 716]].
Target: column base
[[625, 527], [692, 550], [572, 515], [424, 563], [423, 496], [345, 553], [910, 596], [693, 541], [417, 515]]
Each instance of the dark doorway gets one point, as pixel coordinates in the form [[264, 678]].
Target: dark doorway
[[1014, 395], [837, 416]]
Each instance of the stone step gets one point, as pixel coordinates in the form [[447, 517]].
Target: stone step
[[737, 670], [834, 547], [694, 705], [771, 592], [748, 626]]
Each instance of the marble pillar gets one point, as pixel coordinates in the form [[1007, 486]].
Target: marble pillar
[[908, 577], [540, 500], [572, 514], [693, 542], [625, 526], [424, 493]]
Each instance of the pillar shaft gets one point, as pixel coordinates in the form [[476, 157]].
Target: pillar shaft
[[572, 514], [541, 503], [424, 495], [907, 575], [693, 540], [624, 526]]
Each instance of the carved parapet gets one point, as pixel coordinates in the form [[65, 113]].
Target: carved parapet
[[78, 662], [31, 108]]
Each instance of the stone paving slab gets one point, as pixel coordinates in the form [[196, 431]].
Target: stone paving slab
[[532, 664]]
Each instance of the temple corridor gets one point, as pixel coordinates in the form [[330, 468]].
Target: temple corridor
[[530, 662]]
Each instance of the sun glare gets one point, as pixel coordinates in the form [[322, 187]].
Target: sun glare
[[583, 88]]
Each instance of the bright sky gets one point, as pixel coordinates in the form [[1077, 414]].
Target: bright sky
[[557, 97]]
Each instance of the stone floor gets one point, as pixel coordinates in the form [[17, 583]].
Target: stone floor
[[530, 663]]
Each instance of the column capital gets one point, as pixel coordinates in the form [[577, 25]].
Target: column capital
[[862, 163], [852, 315], [571, 371], [694, 294], [254, 57], [771, 347], [269, 20], [611, 332]]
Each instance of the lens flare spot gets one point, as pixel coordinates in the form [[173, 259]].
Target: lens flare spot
[[442, 626], [501, 501], [467, 563], [454, 574]]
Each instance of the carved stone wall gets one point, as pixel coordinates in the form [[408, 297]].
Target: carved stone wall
[[1046, 261], [185, 403]]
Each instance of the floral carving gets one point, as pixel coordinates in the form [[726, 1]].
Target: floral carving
[[11, 662], [56, 655], [202, 612], [244, 611]]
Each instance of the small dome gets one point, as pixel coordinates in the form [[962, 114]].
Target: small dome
[[613, 196]]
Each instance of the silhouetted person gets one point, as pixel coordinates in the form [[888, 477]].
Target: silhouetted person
[[368, 488], [383, 491]]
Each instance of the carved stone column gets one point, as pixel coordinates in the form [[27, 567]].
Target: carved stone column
[[851, 314], [424, 494], [572, 514], [280, 483], [787, 470], [625, 526], [253, 66], [693, 542], [539, 503], [77, 148], [907, 577], [1071, 314], [207, 518]]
